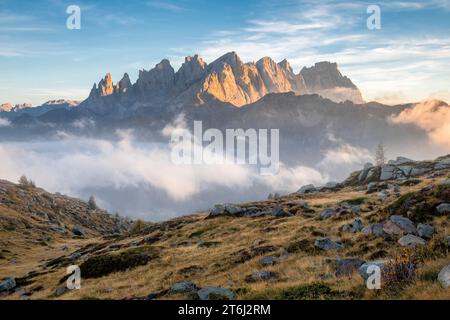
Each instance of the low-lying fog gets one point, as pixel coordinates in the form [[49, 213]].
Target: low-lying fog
[[139, 180]]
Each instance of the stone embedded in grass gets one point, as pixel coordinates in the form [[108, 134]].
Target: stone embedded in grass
[[328, 244], [78, 231], [354, 227], [328, 213], [262, 276], [279, 212], [184, 287], [444, 276], [310, 188], [268, 261], [363, 270], [411, 241], [226, 209], [404, 224], [215, 293], [425, 231], [60, 291], [346, 267], [443, 208], [7, 284], [375, 229]]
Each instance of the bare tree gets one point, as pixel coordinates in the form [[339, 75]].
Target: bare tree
[[24, 181], [380, 155]]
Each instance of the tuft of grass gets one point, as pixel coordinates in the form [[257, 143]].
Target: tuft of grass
[[313, 291]]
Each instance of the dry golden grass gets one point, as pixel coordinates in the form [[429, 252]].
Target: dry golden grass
[[179, 249]]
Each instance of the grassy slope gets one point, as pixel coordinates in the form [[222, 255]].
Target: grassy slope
[[231, 248]]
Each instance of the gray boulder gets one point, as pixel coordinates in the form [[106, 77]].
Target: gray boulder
[[383, 195], [310, 188], [443, 208], [7, 284], [411, 241], [375, 229], [328, 213], [372, 187], [78, 231], [262, 276], [268, 261], [404, 224], [387, 172], [215, 293], [392, 229], [225, 209], [60, 291], [354, 227], [363, 270], [425, 231], [346, 267], [279, 212], [184, 287], [328, 244], [444, 276]]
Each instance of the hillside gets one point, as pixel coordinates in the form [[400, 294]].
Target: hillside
[[312, 244]]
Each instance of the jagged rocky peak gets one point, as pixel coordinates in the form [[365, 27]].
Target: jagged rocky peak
[[324, 78], [6, 107], [192, 70], [161, 77], [124, 84], [274, 77]]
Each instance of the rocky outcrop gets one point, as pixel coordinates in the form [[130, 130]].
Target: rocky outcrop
[[325, 79]]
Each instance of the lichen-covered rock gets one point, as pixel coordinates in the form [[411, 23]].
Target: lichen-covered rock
[[328, 244], [411, 241], [425, 231]]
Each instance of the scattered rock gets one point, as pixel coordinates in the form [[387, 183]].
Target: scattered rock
[[184, 287], [226, 209], [7, 284], [78, 231], [354, 227], [310, 188], [443, 208], [328, 244], [444, 276], [75, 256], [372, 187], [65, 247], [279, 212], [392, 229], [411, 241], [383, 195], [404, 224], [363, 270], [215, 293], [375, 229], [60, 291], [268, 261], [262, 276], [346, 267], [425, 231], [328, 213]]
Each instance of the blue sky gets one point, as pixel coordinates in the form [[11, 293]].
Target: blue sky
[[40, 59]]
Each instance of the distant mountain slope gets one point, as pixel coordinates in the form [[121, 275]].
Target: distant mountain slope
[[227, 79]]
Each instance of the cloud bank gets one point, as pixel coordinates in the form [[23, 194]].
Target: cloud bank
[[432, 116]]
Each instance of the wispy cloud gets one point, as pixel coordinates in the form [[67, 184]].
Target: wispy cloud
[[165, 5]]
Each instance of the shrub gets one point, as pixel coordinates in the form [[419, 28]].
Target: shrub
[[24, 181], [400, 271]]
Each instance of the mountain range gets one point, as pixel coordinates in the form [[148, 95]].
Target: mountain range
[[316, 109]]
